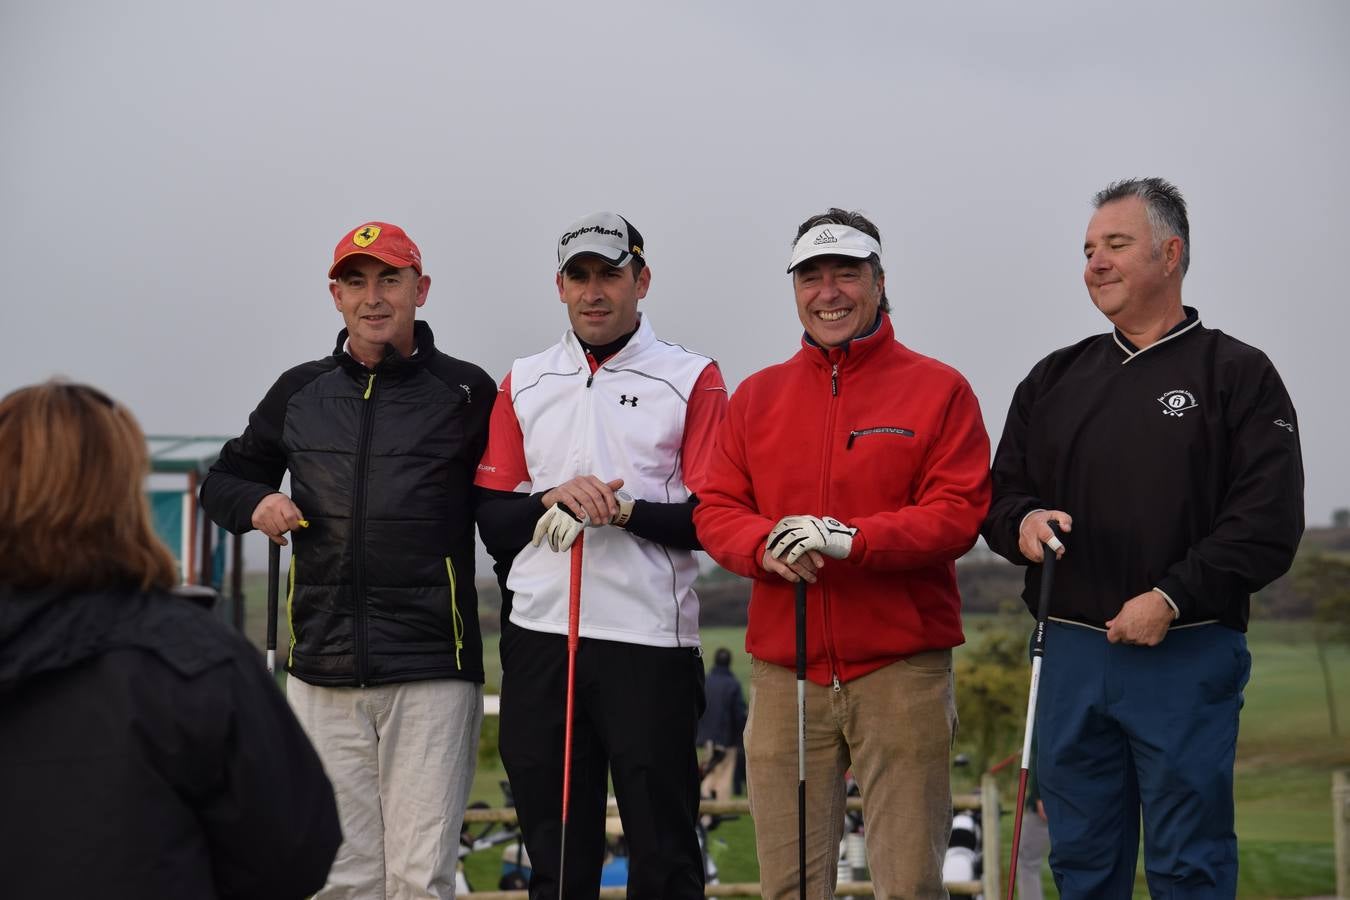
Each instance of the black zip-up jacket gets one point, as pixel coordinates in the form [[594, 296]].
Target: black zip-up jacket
[[382, 463], [1180, 465], [146, 753]]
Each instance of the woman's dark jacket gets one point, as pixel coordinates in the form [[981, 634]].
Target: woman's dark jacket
[[145, 752]]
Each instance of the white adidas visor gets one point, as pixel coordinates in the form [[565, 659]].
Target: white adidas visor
[[833, 240]]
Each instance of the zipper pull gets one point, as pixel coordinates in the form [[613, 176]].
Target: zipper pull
[[370, 385], [834, 381], [589, 379], [835, 682], [851, 436]]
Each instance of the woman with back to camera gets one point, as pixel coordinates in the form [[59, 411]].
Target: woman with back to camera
[[144, 750]]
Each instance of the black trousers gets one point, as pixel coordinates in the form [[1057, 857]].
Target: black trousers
[[636, 715]]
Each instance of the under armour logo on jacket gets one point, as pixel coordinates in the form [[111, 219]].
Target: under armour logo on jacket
[[625, 399]]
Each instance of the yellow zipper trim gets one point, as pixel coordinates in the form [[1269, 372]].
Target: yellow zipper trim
[[290, 601], [456, 621], [370, 383]]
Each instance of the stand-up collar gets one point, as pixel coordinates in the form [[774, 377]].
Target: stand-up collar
[[881, 333], [423, 345], [637, 342]]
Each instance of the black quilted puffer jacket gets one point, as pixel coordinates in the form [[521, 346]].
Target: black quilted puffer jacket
[[381, 587]]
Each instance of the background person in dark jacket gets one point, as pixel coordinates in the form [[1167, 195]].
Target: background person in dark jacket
[[721, 726], [1171, 452], [144, 751], [386, 662]]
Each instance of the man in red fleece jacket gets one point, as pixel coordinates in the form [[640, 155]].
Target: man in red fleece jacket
[[862, 468]]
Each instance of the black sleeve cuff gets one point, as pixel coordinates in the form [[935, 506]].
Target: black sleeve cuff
[[670, 524]]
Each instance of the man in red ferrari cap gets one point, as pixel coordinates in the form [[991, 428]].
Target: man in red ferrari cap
[[381, 440]]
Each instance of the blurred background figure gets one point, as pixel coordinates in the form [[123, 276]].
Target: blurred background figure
[[1035, 844], [144, 750], [719, 731]]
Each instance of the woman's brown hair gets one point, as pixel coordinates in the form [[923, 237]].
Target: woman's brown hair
[[73, 511]]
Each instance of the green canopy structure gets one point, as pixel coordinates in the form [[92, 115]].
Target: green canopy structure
[[200, 548]]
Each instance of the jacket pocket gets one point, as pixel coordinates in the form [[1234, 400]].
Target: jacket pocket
[[290, 610], [880, 429], [456, 620]]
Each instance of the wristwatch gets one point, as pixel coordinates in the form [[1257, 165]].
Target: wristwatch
[[626, 502]]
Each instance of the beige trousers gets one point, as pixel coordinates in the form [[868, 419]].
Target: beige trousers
[[894, 727], [401, 758]]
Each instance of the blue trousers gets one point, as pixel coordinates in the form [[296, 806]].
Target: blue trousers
[[1120, 728]]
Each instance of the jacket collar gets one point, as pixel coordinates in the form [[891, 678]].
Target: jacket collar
[[852, 351], [1185, 326], [424, 345], [641, 340]]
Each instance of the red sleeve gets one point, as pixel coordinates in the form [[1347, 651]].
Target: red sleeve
[[951, 498], [728, 521], [503, 467], [707, 408]]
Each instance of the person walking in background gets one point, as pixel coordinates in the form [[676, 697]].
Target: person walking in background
[[144, 750], [861, 467], [719, 731], [609, 428], [1035, 839], [381, 440], [1171, 452]]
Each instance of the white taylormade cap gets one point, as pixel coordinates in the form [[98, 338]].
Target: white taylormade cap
[[833, 240], [608, 235]]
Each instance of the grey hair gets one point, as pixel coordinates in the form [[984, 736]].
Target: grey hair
[[1165, 206], [853, 219]]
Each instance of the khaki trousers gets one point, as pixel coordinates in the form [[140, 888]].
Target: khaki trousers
[[401, 758], [894, 727]]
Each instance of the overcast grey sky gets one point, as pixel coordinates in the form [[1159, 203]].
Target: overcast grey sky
[[173, 177]]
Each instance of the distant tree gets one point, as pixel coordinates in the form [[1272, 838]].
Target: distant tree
[[1325, 577], [1340, 518], [992, 675]]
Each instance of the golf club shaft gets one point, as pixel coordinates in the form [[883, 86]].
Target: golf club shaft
[[1037, 655], [801, 738], [573, 641], [273, 576]]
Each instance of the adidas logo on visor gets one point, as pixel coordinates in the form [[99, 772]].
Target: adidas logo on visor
[[825, 238]]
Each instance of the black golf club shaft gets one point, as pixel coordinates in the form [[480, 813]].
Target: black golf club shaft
[[801, 738]]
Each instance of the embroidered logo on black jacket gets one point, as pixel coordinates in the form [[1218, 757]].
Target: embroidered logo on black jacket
[[1177, 403]]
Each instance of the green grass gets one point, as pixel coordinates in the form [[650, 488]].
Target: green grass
[[1286, 755]]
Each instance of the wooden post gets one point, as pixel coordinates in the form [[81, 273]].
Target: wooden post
[[989, 822], [1340, 814]]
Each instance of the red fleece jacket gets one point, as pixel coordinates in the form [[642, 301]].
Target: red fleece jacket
[[882, 438]]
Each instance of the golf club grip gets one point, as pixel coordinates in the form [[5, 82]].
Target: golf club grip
[[273, 577], [574, 595], [801, 630], [573, 641], [1048, 559]]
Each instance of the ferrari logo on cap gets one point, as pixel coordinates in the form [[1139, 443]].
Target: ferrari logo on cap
[[364, 237]]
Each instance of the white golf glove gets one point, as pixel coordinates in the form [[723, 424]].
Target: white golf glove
[[794, 535], [560, 525]]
